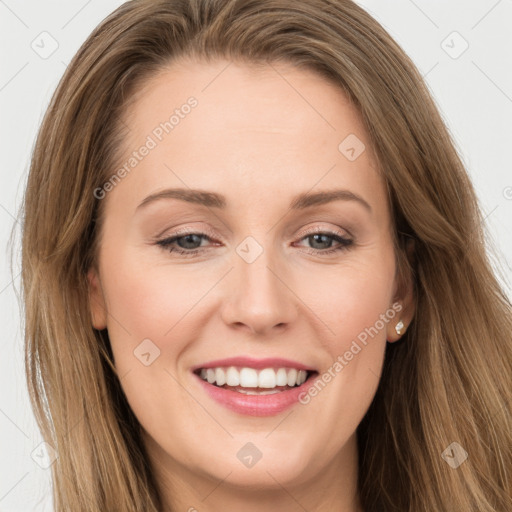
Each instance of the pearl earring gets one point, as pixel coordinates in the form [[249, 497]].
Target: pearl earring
[[398, 327]]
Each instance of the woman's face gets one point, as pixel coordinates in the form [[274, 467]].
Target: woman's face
[[249, 149]]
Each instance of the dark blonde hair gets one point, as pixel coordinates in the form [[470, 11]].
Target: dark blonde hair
[[447, 380]]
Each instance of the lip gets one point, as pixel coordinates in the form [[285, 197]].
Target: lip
[[255, 405], [257, 364]]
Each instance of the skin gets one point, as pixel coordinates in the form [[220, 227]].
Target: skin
[[259, 136]]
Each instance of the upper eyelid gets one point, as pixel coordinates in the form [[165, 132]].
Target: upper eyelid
[[207, 231], [208, 234]]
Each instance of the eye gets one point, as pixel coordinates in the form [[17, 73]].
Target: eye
[[186, 243], [317, 236], [189, 244]]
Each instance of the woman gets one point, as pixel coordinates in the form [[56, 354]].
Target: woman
[[182, 353]]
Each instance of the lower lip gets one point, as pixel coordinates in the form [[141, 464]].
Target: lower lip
[[256, 405]]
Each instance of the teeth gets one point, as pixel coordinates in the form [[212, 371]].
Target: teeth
[[210, 375], [220, 377], [248, 378], [233, 377], [281, 377], [292, 377], [249, 392], [268, 378]]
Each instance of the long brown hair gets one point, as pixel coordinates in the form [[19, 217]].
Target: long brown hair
[[447, 380]]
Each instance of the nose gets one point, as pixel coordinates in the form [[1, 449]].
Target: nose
[[258, 297]]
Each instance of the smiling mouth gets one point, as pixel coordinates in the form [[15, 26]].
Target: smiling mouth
[[250, 381]]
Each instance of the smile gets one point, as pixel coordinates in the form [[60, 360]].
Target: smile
[[275, 379], [255, 387]]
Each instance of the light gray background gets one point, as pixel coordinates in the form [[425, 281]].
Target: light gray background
[[473, 91]]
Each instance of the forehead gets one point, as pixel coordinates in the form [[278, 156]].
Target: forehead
[[235, 98], [254, 129]]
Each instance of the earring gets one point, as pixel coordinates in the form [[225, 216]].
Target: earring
[[398, 327]]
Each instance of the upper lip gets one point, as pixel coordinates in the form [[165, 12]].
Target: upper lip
[[250, 362]]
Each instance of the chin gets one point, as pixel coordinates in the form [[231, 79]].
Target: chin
[[260, 463]]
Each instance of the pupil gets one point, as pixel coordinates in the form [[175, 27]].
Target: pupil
[[188, 240], [320, 236]]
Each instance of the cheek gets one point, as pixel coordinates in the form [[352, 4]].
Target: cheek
[[356, 306], [151, 322], [351, 298], [148, 301]]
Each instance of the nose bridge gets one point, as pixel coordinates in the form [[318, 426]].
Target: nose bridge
[[258, 295]]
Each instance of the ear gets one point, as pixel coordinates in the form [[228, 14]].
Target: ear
[[406, 301], [96, 300]]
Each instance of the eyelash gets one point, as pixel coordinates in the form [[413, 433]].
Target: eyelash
[[345, 243]]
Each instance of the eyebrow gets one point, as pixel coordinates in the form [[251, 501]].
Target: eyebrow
[[215, 200]]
